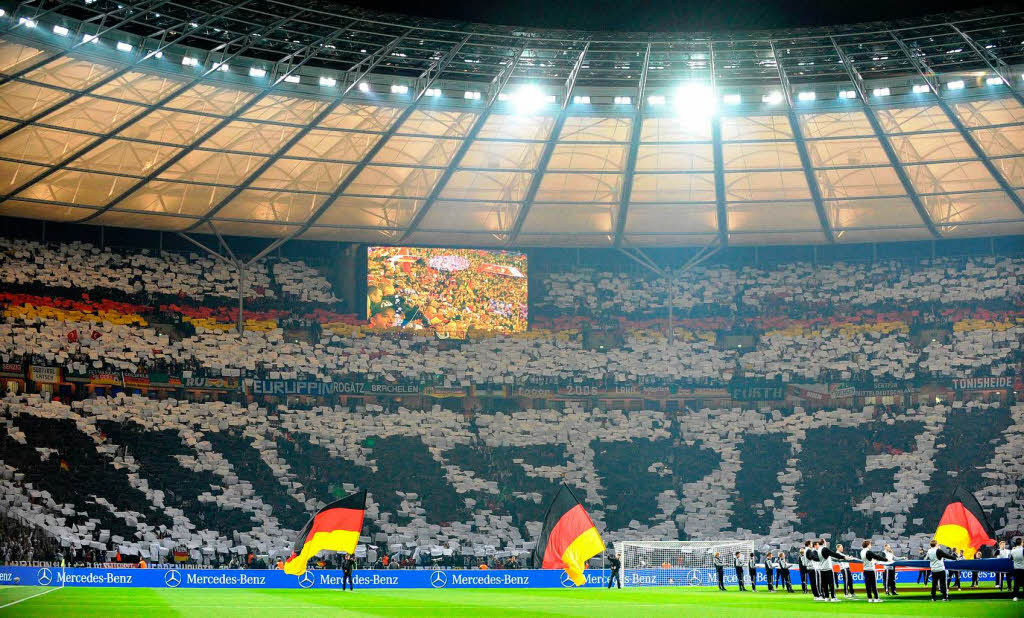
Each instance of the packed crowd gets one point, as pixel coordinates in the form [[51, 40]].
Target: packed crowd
[[801, 291], [139, 477]]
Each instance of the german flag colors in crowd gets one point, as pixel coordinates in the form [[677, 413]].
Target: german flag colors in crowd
[[336, 527], [963, 525], [568, 538]]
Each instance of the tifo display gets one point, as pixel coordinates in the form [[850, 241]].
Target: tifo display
[[449, 291]]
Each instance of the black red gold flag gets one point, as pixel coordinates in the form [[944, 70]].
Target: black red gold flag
[[568, 538], [963, 525], [335, 527]]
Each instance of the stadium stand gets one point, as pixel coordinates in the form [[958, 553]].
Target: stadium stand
[[123, 473]]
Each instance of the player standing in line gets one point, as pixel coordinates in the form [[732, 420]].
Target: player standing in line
[[752, 570], [811, 551], [782, 575], [719, 570], [890, 571], [936, 555], [1017, 555], [769, 570], [803, 567], [869, 558], [1000, 576], [828, 575], [738, 564], [844, 570]]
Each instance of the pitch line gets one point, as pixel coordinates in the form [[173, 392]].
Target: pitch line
[[38, 594]]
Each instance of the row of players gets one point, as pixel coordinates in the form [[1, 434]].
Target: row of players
[[817, 562]]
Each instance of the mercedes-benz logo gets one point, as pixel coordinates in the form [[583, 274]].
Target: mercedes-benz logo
[[564, 579], [695, 577], [172, 578], [306, 579], [44, 577], [438, 579]]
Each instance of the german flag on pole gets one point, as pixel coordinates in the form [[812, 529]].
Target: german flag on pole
[[568, 538], [963, 524], [335, 527]]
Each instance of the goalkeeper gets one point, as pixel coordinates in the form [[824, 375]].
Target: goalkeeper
[[616, 566]]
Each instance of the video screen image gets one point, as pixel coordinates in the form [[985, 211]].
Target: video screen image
[[449, 291]]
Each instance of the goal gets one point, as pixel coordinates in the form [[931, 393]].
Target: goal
[[678, 563]]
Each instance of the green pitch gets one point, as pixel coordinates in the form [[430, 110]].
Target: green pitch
[[471, 603]]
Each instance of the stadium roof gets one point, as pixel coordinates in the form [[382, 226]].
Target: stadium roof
[[269, 119]]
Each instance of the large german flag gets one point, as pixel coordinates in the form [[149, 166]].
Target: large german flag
[[963, 524], [568, 538], [335, 527]]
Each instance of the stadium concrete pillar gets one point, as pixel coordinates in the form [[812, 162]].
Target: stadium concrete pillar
[[241, 297]]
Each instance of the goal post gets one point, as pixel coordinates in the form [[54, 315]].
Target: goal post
[[678, 563]]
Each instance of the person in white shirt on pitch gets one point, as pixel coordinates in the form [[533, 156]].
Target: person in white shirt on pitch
[[935, 556], [1017, 555], [844, 570]]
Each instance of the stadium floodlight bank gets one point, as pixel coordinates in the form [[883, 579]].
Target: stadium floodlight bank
[[678, 563]]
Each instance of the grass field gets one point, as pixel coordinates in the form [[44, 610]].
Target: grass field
[[421, 603]]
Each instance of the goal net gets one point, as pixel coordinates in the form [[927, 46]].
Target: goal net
[[678, 563]]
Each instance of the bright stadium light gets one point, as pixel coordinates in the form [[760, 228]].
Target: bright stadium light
[[257, 72], [28, 23], [994, 81], [881, 92], [329, 82], [732, 99], [527, 99], [292, 79], [471, 95], [957, 84], [60, 31], [399, 89], [806, 96], [694, 102], [623, 100], [847, 94], [2, 12], [189, 61], [221, 66], [921, 88], [581, 99], [158, 54], [125, 47], [656, 99], [432, 92], [364, 87], [772, 98]]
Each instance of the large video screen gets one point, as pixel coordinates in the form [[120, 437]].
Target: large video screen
[[448, 291]]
